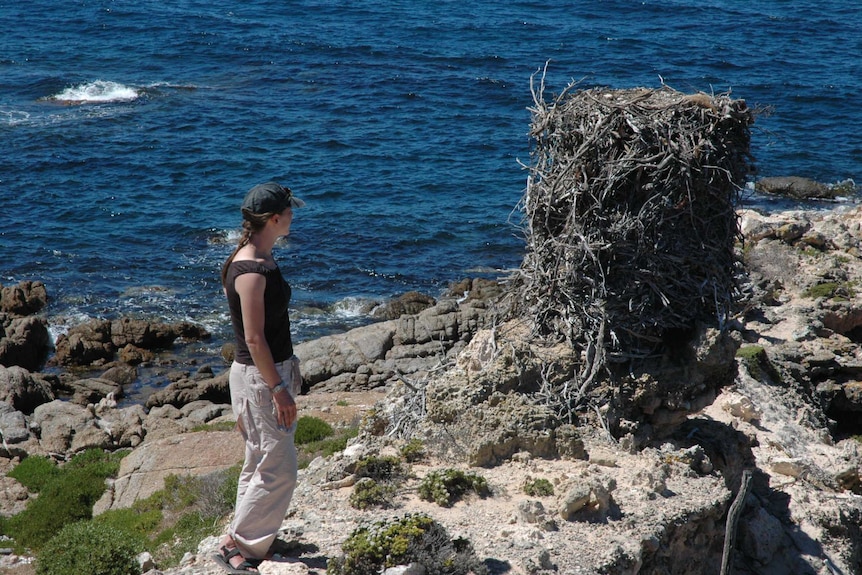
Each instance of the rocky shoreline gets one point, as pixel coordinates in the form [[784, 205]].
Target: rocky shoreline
[[644, 489]]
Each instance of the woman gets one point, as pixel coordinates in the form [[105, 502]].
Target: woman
[[264, 378]]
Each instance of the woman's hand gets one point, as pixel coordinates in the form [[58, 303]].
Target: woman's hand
[[285, 408]]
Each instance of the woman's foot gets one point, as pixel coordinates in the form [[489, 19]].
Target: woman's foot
[[230, 558]]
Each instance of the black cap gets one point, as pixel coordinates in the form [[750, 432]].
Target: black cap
[[270, 198]]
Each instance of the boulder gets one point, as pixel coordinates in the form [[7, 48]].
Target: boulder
[[141, 333], [165, 421], [185, 390], [409, 303], [97, 341], [85, 344], [124, 427], [120, 374], [23, 390], [92, 390], [24, 341], [380, 354], [134, 355], [795, 187], [331, 356], [143, 471], [26, 298], [476, 290], [13, 425], [201, 411], [67, 428]]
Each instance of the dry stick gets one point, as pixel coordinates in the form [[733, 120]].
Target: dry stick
[[732, 518]]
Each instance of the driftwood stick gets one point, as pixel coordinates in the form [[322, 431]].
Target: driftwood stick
[[732, 518]]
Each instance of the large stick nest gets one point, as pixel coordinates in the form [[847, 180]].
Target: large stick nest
[[630, 216]]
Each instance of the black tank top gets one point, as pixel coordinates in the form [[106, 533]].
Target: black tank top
[[276, 297]]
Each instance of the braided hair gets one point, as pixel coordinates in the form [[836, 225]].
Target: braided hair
[[251, 224]]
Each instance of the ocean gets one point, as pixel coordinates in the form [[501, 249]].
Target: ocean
[[131, 130]]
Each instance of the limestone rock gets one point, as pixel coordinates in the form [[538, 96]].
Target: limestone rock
[[531, 511], [64, 427], [124, 427], [585, 500], [143, 471], [761, 536]]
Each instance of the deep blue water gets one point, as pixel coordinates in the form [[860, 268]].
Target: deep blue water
[[131, 130]]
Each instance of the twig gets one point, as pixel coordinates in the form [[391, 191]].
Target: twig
[[732, 518]]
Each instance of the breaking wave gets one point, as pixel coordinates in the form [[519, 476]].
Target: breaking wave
[[98, 92]]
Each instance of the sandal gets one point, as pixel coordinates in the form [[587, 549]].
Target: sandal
[[247, 566]]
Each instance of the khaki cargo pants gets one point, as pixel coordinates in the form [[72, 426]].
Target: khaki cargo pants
[[268, 475]]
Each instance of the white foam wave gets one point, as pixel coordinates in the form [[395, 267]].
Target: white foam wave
[[352, 307], [99, 91], [232, 236], [13, 117]]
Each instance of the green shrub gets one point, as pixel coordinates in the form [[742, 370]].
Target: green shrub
[[219, 426], [379, 468], [378, 479], [333, 445], [411, 539], [447, 486], [172, 543], [182, 490], [325, 447], [98, 462], [65, 497], [135, 525], [190, 508], [369, 493], [538, 487], [310, 429], [413, 451], [757, 362], [835, 290], [35, 472], [88, 548]]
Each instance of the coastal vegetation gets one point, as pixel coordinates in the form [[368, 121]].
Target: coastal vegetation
[[88, 547], [66, 494], [59, 528], [841, 291], [617, 395], [316, 438], [446, 486], [538, 487], [413, 538]]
